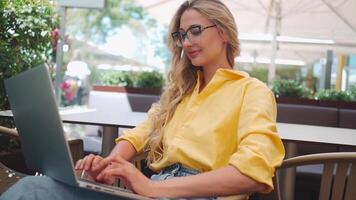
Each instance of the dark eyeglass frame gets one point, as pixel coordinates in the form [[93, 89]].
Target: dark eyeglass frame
[[179, 36]]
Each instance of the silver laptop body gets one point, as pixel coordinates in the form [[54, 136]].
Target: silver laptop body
[[41, 132]]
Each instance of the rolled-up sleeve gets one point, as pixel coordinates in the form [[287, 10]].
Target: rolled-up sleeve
[[260, 149], [139, 135]]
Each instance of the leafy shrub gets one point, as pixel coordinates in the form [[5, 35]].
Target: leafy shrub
[[152, 79], [290, 88], [352, 92], [124, 79], [25, 37], [333, 95], [259, 73], [26, 41]]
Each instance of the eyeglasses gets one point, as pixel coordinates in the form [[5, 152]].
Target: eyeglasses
[[193, 34]]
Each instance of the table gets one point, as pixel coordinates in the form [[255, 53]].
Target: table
[[317, 134], [111, 122]]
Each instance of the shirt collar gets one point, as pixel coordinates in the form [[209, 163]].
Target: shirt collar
[[226, 73], [231, 74], [221, 75]]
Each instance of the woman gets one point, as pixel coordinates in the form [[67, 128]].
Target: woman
[[213, 132]]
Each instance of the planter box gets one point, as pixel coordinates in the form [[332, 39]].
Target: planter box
[[313, 102], [123, 98], [150, 91]]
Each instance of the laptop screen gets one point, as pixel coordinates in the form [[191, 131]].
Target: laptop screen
[[39, 125]]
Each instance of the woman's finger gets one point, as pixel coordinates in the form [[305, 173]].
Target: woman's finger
[[88, 161], [82, 162], [109, 173], [103, 174], [101, 164], [77, 165], [95, 162]]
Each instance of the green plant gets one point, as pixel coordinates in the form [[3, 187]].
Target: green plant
[[290, 88], [25, 41], [25, 37], [152, 79], [98, 24], [259, 73], [125, 79], [352, 92], [333, 95]]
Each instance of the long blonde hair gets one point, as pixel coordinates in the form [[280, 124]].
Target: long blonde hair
[[183, 75]]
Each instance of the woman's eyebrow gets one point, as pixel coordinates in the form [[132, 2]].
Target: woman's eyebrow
[[181, 29]]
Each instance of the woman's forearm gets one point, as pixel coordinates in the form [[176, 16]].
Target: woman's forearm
[[221, 182], [124, 149]]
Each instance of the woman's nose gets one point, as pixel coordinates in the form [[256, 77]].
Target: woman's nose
[[186, 42]]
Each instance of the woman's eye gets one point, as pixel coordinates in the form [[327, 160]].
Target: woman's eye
[[195, 31]]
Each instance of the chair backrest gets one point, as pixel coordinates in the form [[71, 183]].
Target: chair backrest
[[338, 179]]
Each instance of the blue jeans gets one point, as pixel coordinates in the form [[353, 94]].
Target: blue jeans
[[45, 188], [177, 170]]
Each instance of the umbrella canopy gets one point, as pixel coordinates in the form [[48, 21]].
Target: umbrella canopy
[[304, 29]]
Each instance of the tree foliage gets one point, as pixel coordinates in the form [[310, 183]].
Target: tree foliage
[[98, 24], [25, 37]]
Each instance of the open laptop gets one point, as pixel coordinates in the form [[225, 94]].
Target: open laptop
[[41, 132]]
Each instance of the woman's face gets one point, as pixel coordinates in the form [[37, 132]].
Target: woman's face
[[203, 44]]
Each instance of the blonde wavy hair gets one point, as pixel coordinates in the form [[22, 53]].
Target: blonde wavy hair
[[183, 75]]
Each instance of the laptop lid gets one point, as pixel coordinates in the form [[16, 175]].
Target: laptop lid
[[37, 119]]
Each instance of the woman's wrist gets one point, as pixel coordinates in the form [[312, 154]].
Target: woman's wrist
[[154, 190], [124, 149]]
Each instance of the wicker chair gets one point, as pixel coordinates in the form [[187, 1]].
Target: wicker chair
[[338, 179]]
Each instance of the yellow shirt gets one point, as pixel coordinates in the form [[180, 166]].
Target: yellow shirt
[[232, 121]]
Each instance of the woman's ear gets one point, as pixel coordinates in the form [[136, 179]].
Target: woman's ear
[[222, 34]]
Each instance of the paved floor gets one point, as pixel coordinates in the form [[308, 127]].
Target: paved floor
[[8, 177]]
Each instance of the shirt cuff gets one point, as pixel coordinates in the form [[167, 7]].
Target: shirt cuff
[[253, 166]]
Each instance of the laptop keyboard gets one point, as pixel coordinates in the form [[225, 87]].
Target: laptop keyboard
[[103, 187]]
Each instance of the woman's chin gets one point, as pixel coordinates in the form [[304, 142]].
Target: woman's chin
[[196, 62]]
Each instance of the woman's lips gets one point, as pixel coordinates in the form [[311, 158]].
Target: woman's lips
[[193, 54]]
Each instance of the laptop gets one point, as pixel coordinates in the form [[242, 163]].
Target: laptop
[[38, 122]]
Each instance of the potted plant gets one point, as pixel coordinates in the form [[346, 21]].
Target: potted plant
[[352, 92], [146, 82], [290, 91], [336, 98], [26, 41]]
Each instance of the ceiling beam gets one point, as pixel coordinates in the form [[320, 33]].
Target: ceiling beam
[[342, 18], [269, 15]]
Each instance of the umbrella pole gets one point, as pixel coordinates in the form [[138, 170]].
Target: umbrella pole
[[276, 32], [272, 67]]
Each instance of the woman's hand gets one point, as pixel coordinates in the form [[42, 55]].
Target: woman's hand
[[93, 165], [130, 175]]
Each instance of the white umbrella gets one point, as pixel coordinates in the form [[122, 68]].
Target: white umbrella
[[304, 29]]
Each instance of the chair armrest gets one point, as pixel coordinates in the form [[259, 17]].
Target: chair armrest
[[9, 132]]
